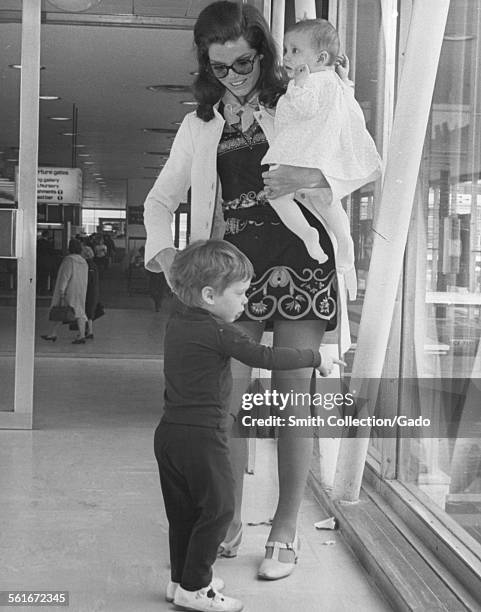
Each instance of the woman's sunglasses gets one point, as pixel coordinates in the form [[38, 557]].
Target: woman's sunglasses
[[244, 65]]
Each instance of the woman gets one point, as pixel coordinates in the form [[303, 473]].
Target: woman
[[217, 153], [93, 290], [71, 290]]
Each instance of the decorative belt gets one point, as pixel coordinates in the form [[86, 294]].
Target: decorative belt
[[247, 200]]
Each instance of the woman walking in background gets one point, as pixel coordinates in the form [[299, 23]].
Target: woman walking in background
[[71, 290], [93, 291]]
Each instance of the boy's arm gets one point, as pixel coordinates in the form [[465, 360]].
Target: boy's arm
[[239, 345]]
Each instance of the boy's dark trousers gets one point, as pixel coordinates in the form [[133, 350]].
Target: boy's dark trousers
[[198, 489]]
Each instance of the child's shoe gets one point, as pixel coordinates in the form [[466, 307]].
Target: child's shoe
[[206, 600], [217, 584]]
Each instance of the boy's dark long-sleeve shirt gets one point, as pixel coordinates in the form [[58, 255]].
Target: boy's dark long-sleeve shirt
[[198, 379]]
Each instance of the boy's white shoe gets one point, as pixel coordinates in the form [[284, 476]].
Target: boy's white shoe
[[217, 584], [206, 600]]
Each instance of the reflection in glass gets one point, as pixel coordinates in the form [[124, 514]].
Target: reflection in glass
[[446, 325], [364, 43], [366, 46]]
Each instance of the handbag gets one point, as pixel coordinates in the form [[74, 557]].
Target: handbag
[[65, 314], [99, 312]]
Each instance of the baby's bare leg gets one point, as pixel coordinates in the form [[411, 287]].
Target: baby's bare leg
[[294, 220]]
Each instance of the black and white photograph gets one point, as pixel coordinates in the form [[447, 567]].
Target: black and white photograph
[[240, 305]]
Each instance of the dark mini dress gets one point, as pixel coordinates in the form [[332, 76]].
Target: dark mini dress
[[288, 284]]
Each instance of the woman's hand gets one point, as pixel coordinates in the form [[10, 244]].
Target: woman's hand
[[342, 67], [165, 259], [282, 180]]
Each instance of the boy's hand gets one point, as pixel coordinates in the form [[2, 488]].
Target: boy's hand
[[327, 363], [342, 67], [301, 74]]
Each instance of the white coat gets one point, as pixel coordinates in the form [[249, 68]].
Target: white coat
[[71, 282]]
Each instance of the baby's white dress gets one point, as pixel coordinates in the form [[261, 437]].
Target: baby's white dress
[[321, 125]]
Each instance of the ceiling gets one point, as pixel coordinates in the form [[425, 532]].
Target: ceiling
[[103, 73]]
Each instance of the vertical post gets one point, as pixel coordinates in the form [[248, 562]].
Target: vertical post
[[404, 156], [305, 9], [277, 23], [74, 135], [332, 11], [267, 10], [27, 203]]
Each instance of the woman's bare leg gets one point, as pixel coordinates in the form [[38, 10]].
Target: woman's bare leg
[[293, 451], [81, 323], [241, 375]]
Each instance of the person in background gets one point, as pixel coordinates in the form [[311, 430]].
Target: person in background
[[93, 291], [100, 252], [138, 257], [46, 262], [111, 248], [71, 290], [158, 288]]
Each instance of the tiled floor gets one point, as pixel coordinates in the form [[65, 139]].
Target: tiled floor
[[81, 509], [80, 503]]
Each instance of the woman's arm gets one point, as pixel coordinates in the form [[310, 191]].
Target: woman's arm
[[289, 179], [169, 190]]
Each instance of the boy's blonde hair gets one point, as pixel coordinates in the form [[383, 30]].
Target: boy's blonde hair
[[324, 36], [207, 263]]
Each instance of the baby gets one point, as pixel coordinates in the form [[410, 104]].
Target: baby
[[319, 124]]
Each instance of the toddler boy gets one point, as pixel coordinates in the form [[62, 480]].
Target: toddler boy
[[210, 279]]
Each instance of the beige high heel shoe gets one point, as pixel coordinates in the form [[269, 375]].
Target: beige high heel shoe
[[273, 569]]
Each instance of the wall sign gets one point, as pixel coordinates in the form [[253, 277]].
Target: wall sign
[[57, 185], [135, 215]]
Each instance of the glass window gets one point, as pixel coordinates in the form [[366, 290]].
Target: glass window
[[365, 44], [365, 28], [93, 220], [10, 46], [443, 320]]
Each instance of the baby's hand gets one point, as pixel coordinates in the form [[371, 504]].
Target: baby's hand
[[327, 363], [301, 74], [342, 67]]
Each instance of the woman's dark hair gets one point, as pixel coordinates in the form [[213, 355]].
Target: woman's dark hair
[[224, 21], [75, 246]]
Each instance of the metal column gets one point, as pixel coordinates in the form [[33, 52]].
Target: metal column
[[27, 203]]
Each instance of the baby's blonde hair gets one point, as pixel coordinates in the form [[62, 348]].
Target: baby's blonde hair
[[207, 263], [324, 36]]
